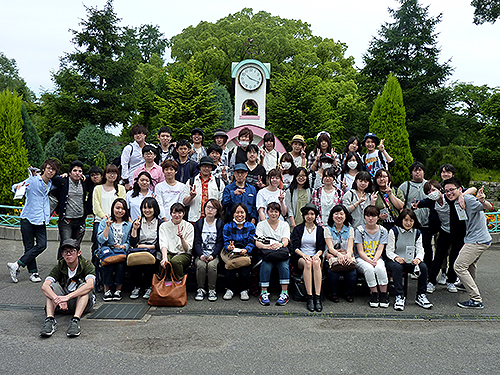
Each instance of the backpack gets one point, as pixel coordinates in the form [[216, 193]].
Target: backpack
[[380, 158]]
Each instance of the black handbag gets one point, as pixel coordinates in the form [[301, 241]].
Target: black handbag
[[278, 255]]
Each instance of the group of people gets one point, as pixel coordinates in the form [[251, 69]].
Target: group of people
[[323, 215]]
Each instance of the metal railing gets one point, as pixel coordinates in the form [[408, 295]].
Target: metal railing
[[10, 217]]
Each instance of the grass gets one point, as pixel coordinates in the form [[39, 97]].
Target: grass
[[483, 174]]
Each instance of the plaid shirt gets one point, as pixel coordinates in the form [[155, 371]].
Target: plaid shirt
[[316, 200], [244, 235]]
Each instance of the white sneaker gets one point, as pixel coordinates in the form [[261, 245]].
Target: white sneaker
[[451, 288], [430, 288], [212, 295], [399, 304], [135, 293], [147, 293], [13, 270], [244, 295], [422, 301], [35, 277], [228, 295], [442, 279], [200, 295]]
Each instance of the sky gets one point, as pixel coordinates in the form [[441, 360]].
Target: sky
[[36, 33]]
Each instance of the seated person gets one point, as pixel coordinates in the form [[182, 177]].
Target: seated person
[[69, 289]]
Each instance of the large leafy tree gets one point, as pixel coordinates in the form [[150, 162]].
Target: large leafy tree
[[486, 11], [408, 49], [388, 122], [11, 80], [13, 153]]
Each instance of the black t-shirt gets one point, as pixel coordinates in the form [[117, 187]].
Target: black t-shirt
[[253, 176], [457, 227]]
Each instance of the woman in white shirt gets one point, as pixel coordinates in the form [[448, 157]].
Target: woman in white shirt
[[271, 193], [138, 193]]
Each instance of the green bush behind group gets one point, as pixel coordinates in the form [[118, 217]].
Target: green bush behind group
[[117, 77]]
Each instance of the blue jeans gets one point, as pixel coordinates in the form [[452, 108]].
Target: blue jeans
[[267, 267], [349, 282], [118, 269], [29, 233], [397, 276]]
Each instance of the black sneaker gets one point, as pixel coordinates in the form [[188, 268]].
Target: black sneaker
[[73, 328], [384, 300], [49, 327], [108, 296], [374, 299], [470, 304], [117, 295]]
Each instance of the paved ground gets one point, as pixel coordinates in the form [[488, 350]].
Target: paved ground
[[245, 337]]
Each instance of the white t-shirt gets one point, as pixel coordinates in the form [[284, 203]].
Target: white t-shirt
[[264, 230], [308, 244], [328, 200], [167, 195], [265, 196], [107, 199]]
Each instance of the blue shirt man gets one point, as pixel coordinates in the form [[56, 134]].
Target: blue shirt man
[[240, 192]]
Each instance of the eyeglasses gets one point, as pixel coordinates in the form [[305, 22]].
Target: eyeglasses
[[210, 208], [450, 190], [68, 252], [111, 173]]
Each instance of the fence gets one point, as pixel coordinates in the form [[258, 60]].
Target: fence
[[10, 217]]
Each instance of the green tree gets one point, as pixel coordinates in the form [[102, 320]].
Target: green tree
[[458, 156], [36, 156], [55, 146], [299, 105], [387, 121], [94, 83], [486, 11], [222, 98], [408, 49], [92, 141], [10, 79], [187, 104], [144, 41], [13, 153]]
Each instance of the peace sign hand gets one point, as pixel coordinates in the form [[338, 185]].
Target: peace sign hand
[[137, 223], [109, 221], [192, 193]]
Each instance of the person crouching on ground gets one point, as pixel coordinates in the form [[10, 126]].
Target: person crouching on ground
[[69, 289]]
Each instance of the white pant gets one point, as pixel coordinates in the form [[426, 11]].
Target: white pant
[[372, 274]]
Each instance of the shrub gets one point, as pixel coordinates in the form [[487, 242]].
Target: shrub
[[55, 146], [92, 140], [458, 156]]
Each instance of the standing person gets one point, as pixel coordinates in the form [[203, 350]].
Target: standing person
[[323, 146], [72, 196], [297, 196], [220, 139], [376, 159], [169, 191], [353, 144], [176, 241], [239, 191], [271, 193], [413, 191], [406, 253], [298, 151], [387, 199], [308, 244], [340, 243], [198, 151], [358, 198], [370, 240], [208, 243], [239, 234], [68, 289], [351, 166], [144, 236], [154, 170], [326, 161], [34, 217], [202, 188], [269, 157], [238, 155], [114, 232], [327, 196], [132, 155], [256, 172], [138, 193], [165, 149], [477, 240], [278, 234], [103, 197], [94, 179], [186, 166], [220, 171], [288, 169]]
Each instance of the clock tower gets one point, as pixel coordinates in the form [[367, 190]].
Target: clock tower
[[251, 82]]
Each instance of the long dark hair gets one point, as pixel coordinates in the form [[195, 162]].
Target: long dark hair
[[348, 157], [321, 138], [150, 202], [126, 217], [338, 208], [112, 168], [363, 176], [376, 188], [137, 188], [294, 184], [288, 158], [350, 141]]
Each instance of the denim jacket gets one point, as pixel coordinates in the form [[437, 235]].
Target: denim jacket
[[110, 241]]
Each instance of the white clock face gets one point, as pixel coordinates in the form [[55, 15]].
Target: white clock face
[[251, 78]]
